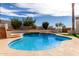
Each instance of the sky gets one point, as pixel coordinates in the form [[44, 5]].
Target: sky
[[50, 12]]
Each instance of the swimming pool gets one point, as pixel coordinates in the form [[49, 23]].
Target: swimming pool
[[37, 41]]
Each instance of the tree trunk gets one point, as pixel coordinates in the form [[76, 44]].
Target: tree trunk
[[73, 21]]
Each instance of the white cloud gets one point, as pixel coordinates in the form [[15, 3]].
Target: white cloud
[[4, 10], [55, 9], [10, 13], [31, 15], [7, 12], [77, 9]]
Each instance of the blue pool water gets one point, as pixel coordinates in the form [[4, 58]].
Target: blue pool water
[[37, 41]]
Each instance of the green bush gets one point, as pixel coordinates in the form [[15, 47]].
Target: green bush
[[16, 23], [45, 25], [28, 21]]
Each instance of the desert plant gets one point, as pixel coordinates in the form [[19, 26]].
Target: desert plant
[[56, 25], [28, 21], [16, 23], [60, 25], [45, 25]]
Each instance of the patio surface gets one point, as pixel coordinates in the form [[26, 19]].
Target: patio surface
[[66, 48]]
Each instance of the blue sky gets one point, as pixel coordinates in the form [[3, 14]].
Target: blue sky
[[41, 12]]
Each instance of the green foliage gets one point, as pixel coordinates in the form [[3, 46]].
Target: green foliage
[[28, 21], [45, 25], [60, 25], [16, 23], [76, 35], [56, 25], [73, 35]]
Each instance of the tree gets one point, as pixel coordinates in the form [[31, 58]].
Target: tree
[[56, 25], [73, 19], [28, 21], [16, 23], [60, 25], [45, 25]]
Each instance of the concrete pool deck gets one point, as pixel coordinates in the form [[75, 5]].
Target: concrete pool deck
[[66, 48]]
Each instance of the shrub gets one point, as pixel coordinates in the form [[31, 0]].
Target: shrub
[[16, 23], [45, 25], [28, 21]]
